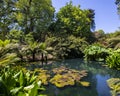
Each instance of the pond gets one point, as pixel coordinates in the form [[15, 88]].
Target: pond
[[97, 76]]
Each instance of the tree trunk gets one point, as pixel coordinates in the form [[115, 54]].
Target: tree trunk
[[46, 59], [42, 58], [33, 56]]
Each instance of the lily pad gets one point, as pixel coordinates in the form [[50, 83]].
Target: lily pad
[[84, 83], [64, 76], [62, 80], [43, 75]]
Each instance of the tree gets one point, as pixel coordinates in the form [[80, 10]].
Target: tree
[[16, 36], [72, 20], [26, 15], [117, 2], [34, 15], [114, 40], [99, 34], [6, 16]]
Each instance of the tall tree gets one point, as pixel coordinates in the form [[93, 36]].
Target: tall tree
[[6, 16], [34, 15], [73, 20], [91, 16], [117, 2]]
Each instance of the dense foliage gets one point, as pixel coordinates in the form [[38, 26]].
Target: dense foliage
[[114, 40], [26, 15], [72, 20], [7, 53], [70, 47], [30, 31], [96, 52], [113, 61], [13, 83], [117, 2]]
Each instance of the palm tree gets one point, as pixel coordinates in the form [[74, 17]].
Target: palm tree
[[6, 54], [44, 50], [114, 42], [32, 48]]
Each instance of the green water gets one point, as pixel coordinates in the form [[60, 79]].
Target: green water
[[97, 76]]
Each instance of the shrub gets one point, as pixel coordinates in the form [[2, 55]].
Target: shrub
[[113, 61], [69, 47], [7, 54], [14, 83], [96, 52]]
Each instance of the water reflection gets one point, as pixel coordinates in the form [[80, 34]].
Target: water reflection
[[97, 77], [101, 87]]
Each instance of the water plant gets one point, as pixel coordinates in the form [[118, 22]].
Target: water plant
[[65, 76], [114, 84], [43, 76]]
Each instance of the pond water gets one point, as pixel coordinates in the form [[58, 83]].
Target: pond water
[[97, 76]]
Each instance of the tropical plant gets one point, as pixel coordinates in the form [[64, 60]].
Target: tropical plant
[[7, 54], [16, 36], [32, 48], [14, 83], [113, 60], [9, 58], [114, 42], [96, 52], [114, 84], [69, 47], [44, 50]]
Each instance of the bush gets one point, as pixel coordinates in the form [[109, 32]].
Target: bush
[[69, 47], [113, 61], [96, 52], [13, 83]]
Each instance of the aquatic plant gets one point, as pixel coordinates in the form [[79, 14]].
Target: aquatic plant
[[65, 76], [62, 80], [84, 83], [43, 76], [114, 84]]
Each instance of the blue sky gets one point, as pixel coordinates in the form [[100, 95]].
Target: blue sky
[[106, 17]]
